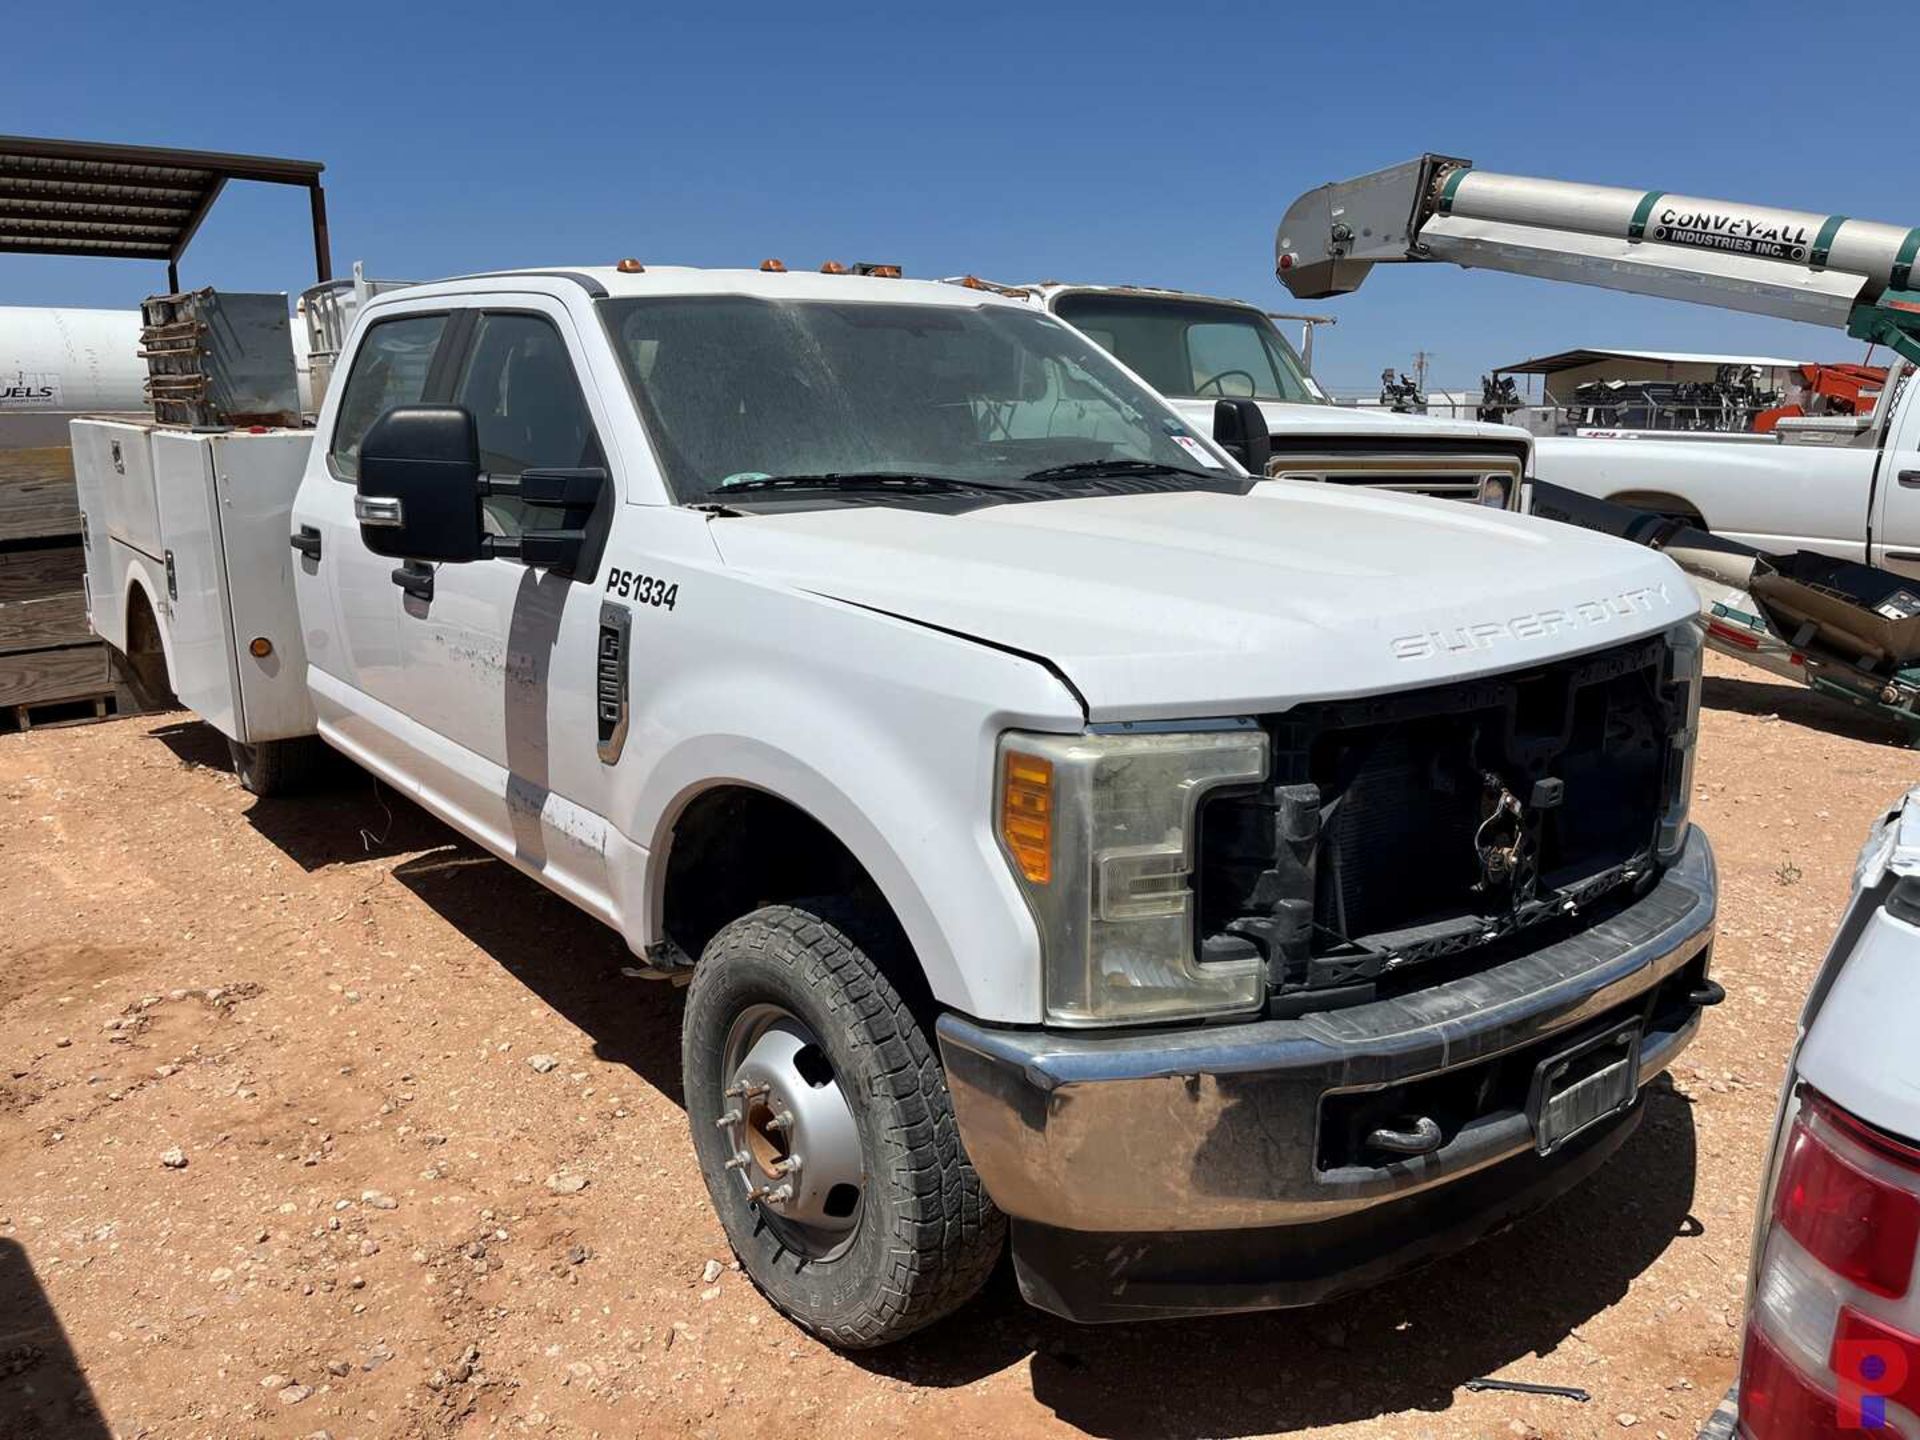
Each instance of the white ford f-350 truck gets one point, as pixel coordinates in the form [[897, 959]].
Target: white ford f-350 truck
[[1199, 349], [1247, 888]]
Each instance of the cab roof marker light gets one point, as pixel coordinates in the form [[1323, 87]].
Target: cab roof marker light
[[974, 282], [834, 267], [773, 267], [630, 266]]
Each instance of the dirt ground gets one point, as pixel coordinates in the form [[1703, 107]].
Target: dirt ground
[[388, 1061]]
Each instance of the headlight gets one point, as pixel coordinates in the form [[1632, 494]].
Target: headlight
[[1496, 491], [1685, 649], [1100, 831]]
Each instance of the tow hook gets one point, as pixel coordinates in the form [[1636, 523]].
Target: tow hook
[[1707, 992], [1422, 1137]]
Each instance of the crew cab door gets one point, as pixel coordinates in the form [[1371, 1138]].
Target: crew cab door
[[1896, 499], [349, 607], [500, 656]]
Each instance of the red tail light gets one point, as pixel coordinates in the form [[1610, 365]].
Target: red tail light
[[1833, 1340], [1856, 1224]]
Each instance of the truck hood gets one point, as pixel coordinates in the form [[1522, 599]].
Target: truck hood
[[1350, 421], [1169, 606]]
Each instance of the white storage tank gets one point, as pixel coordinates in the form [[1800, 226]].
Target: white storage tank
[[59, 363]]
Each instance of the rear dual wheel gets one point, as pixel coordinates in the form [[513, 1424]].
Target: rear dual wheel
[[824, 1129], [277, 767]]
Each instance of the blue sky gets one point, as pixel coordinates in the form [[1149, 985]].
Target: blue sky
[[1105, 142]]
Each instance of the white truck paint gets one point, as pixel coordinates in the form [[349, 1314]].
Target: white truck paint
[[843, 612], [1198, 349], [1845, 486]]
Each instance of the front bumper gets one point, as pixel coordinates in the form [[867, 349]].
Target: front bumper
[[1184, 1171]]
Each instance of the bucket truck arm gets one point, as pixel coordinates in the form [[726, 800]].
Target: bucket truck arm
[[1855, 275]]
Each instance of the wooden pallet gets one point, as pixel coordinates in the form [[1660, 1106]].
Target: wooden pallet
[[50, 662], [38, 500], [53, 714]]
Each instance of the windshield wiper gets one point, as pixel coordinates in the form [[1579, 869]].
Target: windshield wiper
[[1095, 469], [871, 480]]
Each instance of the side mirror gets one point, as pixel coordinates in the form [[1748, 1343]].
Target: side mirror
[[1241, 430], [421, 486]]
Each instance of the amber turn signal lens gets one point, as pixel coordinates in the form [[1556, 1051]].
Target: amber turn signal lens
[[630, 266], [834, 267], [260, 647], [773, 267], [1026, 815]]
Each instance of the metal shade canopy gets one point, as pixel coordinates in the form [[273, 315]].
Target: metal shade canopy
[[131, 202]]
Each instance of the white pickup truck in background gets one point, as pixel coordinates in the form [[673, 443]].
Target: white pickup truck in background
[[1197, 349], [1249, 888], [1847, 486]]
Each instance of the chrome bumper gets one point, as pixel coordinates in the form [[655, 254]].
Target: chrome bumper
[[1217, 1128]]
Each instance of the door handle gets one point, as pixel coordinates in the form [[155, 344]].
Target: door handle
[[416, 579], [307, 541], [1910, 479]]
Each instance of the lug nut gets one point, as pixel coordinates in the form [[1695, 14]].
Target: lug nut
[[744, 1090], [782, 1121], [731, 1117], [740, 1160], [787, 1166]]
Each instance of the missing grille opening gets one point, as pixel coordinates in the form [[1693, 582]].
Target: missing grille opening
[[1410, 828]]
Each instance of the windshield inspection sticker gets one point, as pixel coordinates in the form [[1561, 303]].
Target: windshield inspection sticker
[[1199, 452]]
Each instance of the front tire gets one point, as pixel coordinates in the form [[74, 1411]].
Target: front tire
[[791, 1017]]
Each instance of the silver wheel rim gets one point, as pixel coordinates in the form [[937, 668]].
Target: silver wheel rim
[[793, 1145]]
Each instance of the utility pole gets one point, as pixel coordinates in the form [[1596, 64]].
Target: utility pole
[[1420, 359]]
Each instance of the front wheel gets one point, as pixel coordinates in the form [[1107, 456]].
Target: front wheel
[[824, 1130]]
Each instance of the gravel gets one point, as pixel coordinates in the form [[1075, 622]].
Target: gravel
[[136, 867]]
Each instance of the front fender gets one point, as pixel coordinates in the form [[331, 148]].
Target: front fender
[[940, 872], [882, 730]]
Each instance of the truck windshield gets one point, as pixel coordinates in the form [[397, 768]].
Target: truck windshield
[[738, 392], [1193, 347]]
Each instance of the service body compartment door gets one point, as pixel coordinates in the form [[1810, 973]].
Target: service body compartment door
[[255, 477], [198, 622], [132, 507], [225, 506], [97, 447]]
